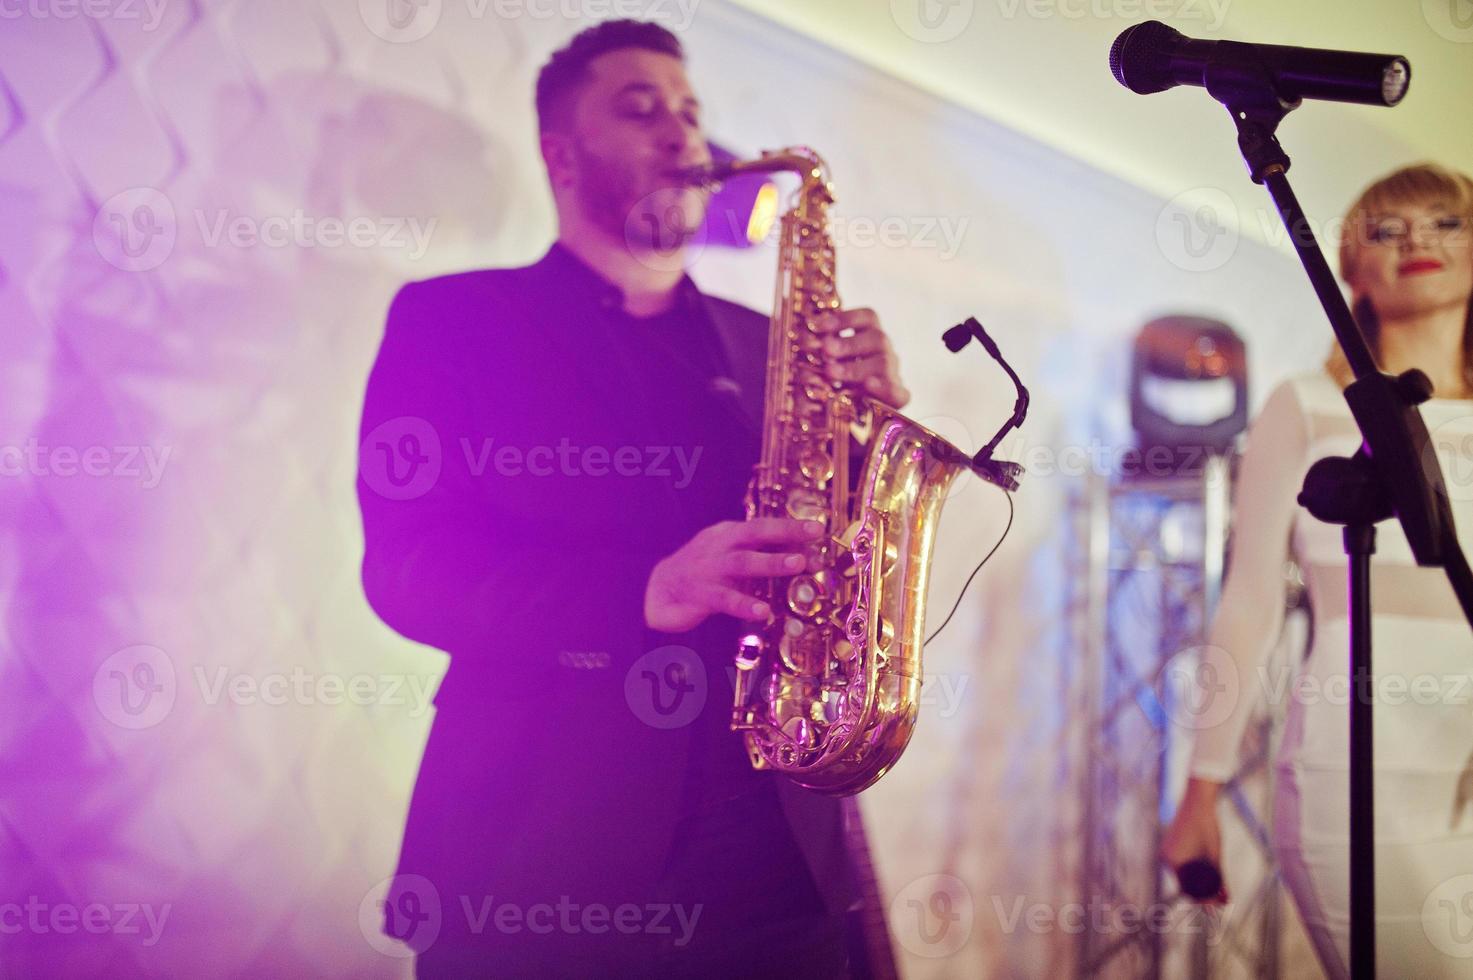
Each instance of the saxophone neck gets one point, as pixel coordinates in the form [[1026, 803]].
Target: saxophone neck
[[800, 160]]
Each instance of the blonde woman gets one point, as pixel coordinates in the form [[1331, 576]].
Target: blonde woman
[[1407, 255]]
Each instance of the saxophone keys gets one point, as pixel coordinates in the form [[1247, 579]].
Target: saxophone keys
[[804, 595], [839, 568], [885, 635], [802, 734], [816, 465], [797, 649], [807, 505]]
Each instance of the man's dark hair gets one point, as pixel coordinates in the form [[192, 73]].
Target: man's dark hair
[[567, 70]]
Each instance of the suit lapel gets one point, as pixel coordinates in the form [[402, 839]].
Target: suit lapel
[[745, 356]]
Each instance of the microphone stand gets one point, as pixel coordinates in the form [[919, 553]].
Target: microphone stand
[[1393, 473]]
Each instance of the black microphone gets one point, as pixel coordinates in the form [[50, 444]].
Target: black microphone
[[1152, 57], [1199, 878], [996, 471]]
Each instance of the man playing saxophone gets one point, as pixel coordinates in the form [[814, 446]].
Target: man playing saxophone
[[583, 808]]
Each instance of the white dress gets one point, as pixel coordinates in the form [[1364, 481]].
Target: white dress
[[1423, 714]]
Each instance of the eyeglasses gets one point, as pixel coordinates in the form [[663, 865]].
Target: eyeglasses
[[1396, 231]]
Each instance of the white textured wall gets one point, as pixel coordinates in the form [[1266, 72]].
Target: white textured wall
[[131, 779]]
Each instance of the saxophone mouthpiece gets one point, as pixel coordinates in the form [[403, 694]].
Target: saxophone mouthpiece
[[708, 176]]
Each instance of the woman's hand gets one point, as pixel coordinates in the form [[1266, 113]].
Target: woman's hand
[[1195, 833]]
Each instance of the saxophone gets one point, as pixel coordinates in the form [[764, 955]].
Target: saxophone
[[827, 691]]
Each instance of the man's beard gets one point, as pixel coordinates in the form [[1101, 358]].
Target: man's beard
[[659, 218]]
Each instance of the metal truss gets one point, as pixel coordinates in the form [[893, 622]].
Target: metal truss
[[1152, 553]]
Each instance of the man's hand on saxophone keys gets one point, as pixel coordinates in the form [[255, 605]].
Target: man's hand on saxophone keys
[[709, 573], [858, 353]]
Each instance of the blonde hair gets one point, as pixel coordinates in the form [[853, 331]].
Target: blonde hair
[[1423, 183]]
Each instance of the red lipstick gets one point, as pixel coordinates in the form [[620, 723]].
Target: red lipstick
[[1414, 267]]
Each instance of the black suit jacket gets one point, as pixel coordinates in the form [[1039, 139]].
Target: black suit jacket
[[539, 779]]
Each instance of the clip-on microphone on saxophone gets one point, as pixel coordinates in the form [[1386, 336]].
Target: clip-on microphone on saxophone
[[999, 472]]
